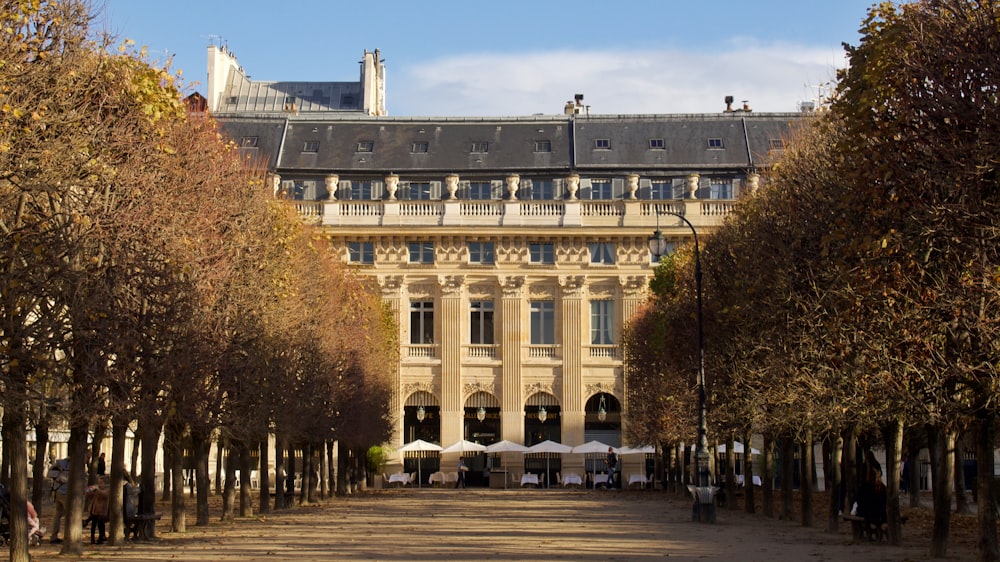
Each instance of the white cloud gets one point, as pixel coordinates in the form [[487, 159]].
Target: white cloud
[[772, 77]]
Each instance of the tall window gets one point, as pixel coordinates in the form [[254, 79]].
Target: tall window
[[600, 190], [543, 322], [602, 314], [542, 253], [661, 189], [481, 322], [481, 253], [542, 190], [421, 252], [361, 252], [361, 190], [416, 191], [422, 322], [602, 253], [482, 190], [721, 188]]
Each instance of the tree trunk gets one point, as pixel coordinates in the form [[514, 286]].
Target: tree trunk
[[806, 486], [849, 470], [893, 437], [72, 532], [987, 548], [290, 478], [324, 470], [229, 485], [279, 472], [731, 471], [767, 476], [100, 430], [15, 446], [833, 449], [961, 497], [147, 486], [178, 506], [39, 484], [116, 519], [312, 472], [913, 467], [749, 491], [787, 483], [264, 478], [201, 446], [220, 466], [134, 466], [246, 466], [942, 447]]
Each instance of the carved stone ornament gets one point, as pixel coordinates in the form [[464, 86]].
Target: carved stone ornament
[[473, 387], [691, 185], [572, 185], [631, 185], [633, 285], [572, 285], [512, 285], [451, 185], [535, 388], [513, 183], [390, 284], [391, 185], [600, 387], [413, 387], [451, 285]]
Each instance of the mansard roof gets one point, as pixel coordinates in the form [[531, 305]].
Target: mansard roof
[[244, 95], [553, 144]]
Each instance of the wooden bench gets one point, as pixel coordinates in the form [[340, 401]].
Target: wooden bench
[[142, 526], [860, 527]]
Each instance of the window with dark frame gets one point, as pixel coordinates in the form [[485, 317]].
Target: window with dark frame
[[421, 252], [543, 326], [365, 146], [542, 253], [361, 252], [419, 147], [776, 144], [656, 144], [543, 146], [481, 253], [422, 322], [715, 143], [602, 253], [602, 144], [478, 190], [601, 190], [248, 142], [311, 146], [602, 317], [480, 147], [481, 323]]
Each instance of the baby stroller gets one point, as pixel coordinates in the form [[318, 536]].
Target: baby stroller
[[34, 540]]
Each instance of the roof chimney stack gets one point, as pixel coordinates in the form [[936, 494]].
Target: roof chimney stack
[[729, 104]]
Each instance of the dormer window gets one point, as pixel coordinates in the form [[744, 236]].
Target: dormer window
[[248, 142], [656, 144], [365, 146], [419, 147], [480, 147], [311, 146], [776, 144], [715, 144], [602, 144], [543, 146]]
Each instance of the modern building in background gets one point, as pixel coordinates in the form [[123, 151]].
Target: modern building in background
[[512, 250]]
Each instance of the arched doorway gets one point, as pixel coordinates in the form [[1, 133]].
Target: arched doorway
[[481, 424], [603, 419], [421, 420], [542, 422]]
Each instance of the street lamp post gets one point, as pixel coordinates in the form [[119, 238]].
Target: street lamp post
[[703, 492]]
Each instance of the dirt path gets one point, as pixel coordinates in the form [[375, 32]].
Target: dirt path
[[504, 525]]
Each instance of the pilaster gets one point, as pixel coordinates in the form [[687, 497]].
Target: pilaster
[[511, 409], [452, 418], [572, 351]]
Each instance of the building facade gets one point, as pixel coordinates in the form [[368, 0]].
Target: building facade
[[512, 250]]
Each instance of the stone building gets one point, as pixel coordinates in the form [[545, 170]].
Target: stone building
[[513, 250]]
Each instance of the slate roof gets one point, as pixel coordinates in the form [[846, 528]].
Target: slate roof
[[343, 144]]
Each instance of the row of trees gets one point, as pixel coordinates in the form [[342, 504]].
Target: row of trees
[[150, 279], [856, 299]]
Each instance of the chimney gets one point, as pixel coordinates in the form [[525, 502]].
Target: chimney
[[729, 104], [746, 105]]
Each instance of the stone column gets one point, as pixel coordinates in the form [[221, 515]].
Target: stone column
[[391, 184], [331, 183], [511, 404], [450, 327], [573, 343]]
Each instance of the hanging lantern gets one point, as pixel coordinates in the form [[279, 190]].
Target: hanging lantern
[[542, 414], [481, 413], [602, 411], [421, 413]]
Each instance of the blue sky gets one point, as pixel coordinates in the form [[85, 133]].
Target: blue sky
[[517, 57]]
